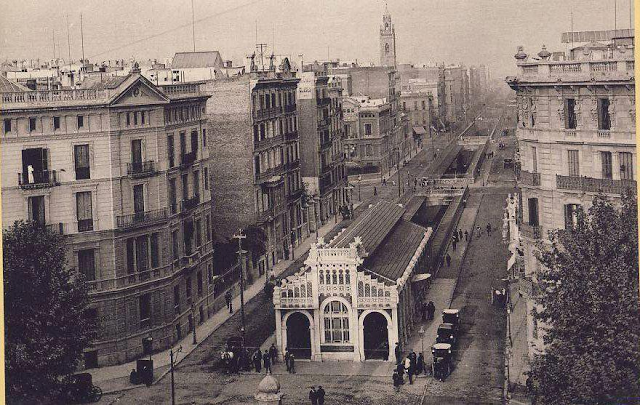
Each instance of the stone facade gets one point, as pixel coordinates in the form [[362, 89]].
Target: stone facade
[[576, 134], [96, 165]]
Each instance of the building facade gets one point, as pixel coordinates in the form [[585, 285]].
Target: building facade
[[354, 299], [387, 41], [456, 94], [576, 134], [256, 158], [120, 167]]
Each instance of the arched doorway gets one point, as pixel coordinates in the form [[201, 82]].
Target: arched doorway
[[299, 335], [376, 337]]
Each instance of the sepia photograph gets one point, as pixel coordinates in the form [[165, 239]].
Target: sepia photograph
[[340, 202]]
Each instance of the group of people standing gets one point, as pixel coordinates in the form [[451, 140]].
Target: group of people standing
[[243, 360], [413, 365], [317, 396]]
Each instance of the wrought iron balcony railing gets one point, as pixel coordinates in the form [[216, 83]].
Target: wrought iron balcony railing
[[141, 169], [531, 231], [529, 179], [188, 158], [140, 218], [592, 185], [39, 179]]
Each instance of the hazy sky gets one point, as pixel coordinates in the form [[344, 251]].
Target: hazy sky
[[468, 31]]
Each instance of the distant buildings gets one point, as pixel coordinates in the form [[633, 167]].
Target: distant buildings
[[576, 134], [387, 41], [456, 93], [255, 152], [120, 167]]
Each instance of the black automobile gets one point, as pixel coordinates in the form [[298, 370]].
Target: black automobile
[[451, 316], [442, 360], [446, 334]]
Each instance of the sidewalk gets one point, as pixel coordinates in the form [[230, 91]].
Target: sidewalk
[[161, 359]]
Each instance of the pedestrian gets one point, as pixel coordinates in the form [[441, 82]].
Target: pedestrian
[[133, 377], [478, 231], [420, 364], [273, 353], [257, 360], [321, 395], [488, 229], [423, 309], [267, 362], [459, 234], [292, 363], [384, 181], [408, 369], [396, 381], [375, 191], [466, 236], [448, 260], [228, 298], [286, 360], [400, 369], [454, 243], [313, 396], [398, 352], [431, 308]]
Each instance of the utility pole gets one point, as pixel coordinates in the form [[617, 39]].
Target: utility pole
[[241, 236], [54, 44], [193, 26], [82, 38], [171, 367], [68, 42], [193, 322]]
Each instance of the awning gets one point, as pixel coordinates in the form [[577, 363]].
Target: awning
[[421, 277], [419, 130]]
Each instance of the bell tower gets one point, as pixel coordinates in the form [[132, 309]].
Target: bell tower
[[387, 41]]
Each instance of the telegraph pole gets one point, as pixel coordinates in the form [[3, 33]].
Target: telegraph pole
[[171, 366], [241, 236]]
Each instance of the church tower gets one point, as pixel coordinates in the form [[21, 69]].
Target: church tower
[[387, 41]]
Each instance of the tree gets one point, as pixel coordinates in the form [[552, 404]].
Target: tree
[[256, 242], [45, 327], [588, 288]]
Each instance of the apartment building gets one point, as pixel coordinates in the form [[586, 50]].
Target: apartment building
[[120, 167], [576, 134]]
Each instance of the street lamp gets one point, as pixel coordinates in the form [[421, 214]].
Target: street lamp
[[421, 332], [193, 322], [171, 367], [241, 236]]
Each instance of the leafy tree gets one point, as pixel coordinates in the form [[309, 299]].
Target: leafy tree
[[44, 301], [589, 292], [256, 242]]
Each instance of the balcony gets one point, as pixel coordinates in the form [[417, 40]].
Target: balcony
[[265, 216], [268, 174], [296, 194], [290, 108], [191, 203], [85, 225], [187, 159], [293, 135], [530, 231], [323, 122], [323, 100], [267, 142], [141, 169], [97, 286], [57, 228], [574, 70], [41, 179], [529, 179], [604, 133], [190, 260], [591, 185], [266, 113], [292, 165], [141, 218]]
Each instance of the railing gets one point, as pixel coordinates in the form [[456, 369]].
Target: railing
[[530, 231], [565, 68], [42, 179], [630, 65], [292, 165], [267, 113], [294, 302], [83, 173], [528, 70], [53, 96], [291, 135], [190, 260], [375, 302], [267, 142], [85, 225], [296, 194], [188, 158], [323, 100], [264, 216], [290, 108], [141, 218], [604, 66], [623, 69], [592, 185], [190, 203], [55, 228], [529, 179], [174, 89], [323, 122], [140, 169], [267, 174], [604, 133], [570, 133], [129, 279]]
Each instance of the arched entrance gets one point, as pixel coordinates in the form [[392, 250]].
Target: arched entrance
[[299, 335], [376, 337]]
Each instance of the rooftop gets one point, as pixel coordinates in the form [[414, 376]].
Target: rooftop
[[207, 59], [8, 86]]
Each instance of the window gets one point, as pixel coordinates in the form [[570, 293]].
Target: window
[[155, 250], [415, 104], [172, 195], [87, 264], [175, 244], [198, 233], [199, 281], [210, 274], [574, 163], [208, 227], [204, 138], [144, 302], [138, 200], [131, 264], [188, 285], [128, 119], [32, 124], [36, 210], [142, 254], [424, 105], [81, 157], [171, 151], [534, 219], [571, 216], [205, 178], [7, 125], [367, 129], [196, 183], [626, 165], [607, 166], [570, 118], [183, 143], [135, 118], [194, 142], [84, 211], [142, 118], [336, 323], [176, 298], [80, 121], [604, 119], [136, 154], [56, 123], [185, 187], [534, 158]]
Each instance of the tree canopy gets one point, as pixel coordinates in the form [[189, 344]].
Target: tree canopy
[[44, 302], [588, 289]]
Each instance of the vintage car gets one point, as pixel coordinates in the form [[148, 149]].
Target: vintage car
[[442, 360], [451, 316], [446, 334]]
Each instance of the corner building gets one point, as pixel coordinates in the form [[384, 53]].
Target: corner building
[[576, 134], [119, 167]]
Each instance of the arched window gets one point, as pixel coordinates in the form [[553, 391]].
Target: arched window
[[321, 276], [340, 279], [336, 323], [347, 278], [386, 48]]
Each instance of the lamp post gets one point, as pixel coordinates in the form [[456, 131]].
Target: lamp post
[[421, 332], [193, 323], [171, 367], [241, 236]]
